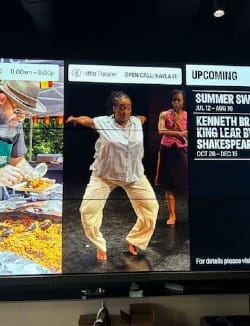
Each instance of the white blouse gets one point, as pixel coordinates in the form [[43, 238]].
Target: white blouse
[[118, 151]]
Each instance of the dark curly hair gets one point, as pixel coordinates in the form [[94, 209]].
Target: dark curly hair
[[113, 98]]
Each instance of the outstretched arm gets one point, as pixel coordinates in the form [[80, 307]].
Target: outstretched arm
[[83, 120], [142, 118]]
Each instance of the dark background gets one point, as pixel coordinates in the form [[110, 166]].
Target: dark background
[[156, 31], [219, 199], [169, 246], [90, 99]]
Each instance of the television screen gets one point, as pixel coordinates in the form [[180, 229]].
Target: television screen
[[126, 211], [123, 172]]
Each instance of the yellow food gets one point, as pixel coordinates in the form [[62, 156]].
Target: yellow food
[[41, 183], [43, 246]]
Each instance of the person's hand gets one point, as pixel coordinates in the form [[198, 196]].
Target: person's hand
[[70, 119], [184, 133], [26, 168], [83, 120], [10, 175]]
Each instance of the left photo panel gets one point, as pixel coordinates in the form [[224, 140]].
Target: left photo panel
[[31, 166]]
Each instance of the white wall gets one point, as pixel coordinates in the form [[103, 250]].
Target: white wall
[[171, 310]]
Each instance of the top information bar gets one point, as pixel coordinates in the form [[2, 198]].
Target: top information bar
[[124, 74], [214, 75], [29, 71]]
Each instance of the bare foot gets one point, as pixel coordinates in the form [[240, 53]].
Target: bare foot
[[171, 220], [132, 249], [101, 255]]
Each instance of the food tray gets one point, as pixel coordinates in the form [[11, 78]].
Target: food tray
[[23, 187]]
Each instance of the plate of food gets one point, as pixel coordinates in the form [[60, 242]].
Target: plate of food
[[35, 185]]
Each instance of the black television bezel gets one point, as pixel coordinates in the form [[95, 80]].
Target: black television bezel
[[99, 285]]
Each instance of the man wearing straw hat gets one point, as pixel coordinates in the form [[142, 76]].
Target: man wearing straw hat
[[18, 100]]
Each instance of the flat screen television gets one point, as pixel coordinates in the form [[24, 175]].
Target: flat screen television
[[48, 245]]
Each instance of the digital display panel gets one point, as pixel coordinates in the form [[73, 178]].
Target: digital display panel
[[146, 171], [128, 205]]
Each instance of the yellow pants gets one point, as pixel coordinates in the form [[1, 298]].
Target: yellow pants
[[142, 198]]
